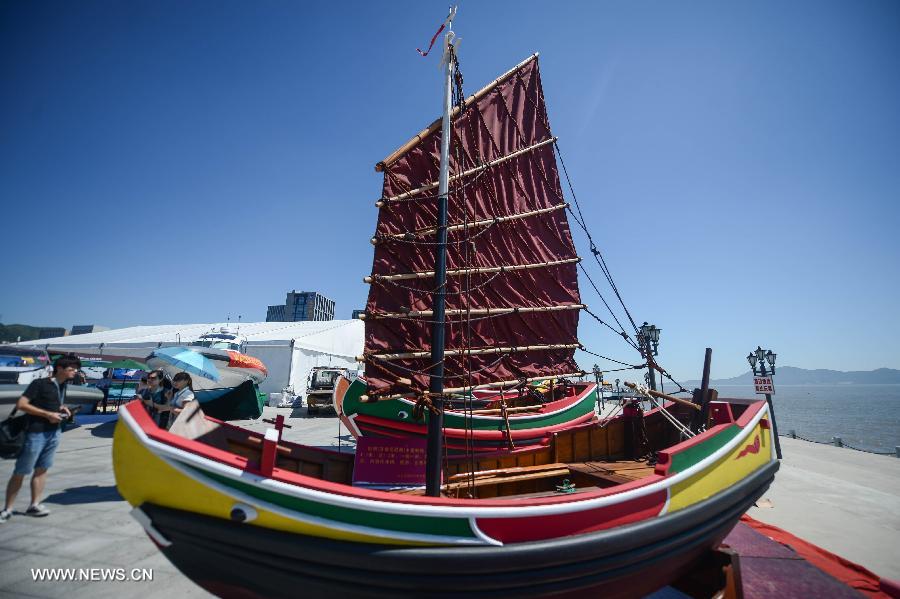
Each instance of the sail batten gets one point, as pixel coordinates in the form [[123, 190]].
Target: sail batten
[[511, 263], [462, 226], [494, 385], [478, 311], [475, 351], [409, 195], [469, 271]]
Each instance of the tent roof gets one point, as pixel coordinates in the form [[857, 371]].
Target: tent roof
[[338, 337]]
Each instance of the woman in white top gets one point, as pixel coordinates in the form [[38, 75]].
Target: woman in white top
[[183, 385]]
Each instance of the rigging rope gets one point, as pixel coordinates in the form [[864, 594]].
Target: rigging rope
[[596, 252], [630, 366], [622, 332], [684, 430]]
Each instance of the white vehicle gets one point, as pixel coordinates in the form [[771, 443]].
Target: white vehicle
[[224, 338], [320, 387], [21, 365]]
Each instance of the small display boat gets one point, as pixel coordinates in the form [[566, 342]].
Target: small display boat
[[234, 394], [481, 421]]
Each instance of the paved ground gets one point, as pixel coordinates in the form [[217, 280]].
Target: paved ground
[[90, 526], [843, 500]]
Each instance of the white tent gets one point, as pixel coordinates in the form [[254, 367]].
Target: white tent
[[288, 349]]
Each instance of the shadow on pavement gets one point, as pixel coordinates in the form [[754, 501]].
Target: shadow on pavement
[[85, 494], [105, 430]]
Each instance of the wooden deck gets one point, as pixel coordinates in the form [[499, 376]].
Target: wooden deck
[[531, 481]]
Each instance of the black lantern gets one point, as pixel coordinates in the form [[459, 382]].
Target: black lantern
[[760, 357], [649, 338], [760, 353], [645, 330]]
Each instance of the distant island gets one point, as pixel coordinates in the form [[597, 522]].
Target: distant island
[[9, 333], [789, 375]]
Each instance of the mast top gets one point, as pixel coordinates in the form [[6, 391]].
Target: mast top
[[437, 123]]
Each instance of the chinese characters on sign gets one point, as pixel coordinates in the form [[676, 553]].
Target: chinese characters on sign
[[764, 384], [389, 461]]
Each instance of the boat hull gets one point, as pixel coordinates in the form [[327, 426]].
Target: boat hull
[[86, 398], [228, 376], [464, 432], [233, 559], [329, 536], [235, 403]]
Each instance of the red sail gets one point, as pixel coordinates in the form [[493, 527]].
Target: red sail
[[506, 209]]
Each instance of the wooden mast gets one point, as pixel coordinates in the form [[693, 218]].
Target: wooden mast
[[434, 448]]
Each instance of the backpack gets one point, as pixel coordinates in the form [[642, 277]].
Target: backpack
[[12, 435]]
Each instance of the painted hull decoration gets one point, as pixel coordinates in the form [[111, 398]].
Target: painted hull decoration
[[207, 501]]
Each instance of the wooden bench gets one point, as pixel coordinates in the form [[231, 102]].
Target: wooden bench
[[611, 473], [505, 476]]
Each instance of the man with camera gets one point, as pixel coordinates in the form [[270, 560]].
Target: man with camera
[[43, 402]]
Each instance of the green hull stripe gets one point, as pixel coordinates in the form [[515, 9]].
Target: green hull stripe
[[687, 458], [457, 527], [390, 409]]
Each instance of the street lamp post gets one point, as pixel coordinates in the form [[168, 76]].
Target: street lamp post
[[761, 356], [598, 377], [648, 337]]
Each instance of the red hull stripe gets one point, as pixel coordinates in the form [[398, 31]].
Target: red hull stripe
[[511, 530], [493, 435], [453, 443]]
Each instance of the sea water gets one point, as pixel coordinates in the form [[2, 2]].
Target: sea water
[[863, 416]]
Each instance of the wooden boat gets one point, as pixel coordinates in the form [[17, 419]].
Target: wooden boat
[[81, 396], [241, 402], [480, 422], [618, 507], [239, 526]]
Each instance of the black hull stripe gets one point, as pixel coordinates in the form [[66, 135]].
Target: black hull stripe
[[222, 555]]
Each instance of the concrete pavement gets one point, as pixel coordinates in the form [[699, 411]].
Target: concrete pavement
[[843, 500], [90, 527]]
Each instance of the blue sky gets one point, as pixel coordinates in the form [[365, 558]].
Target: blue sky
[[165, 162]]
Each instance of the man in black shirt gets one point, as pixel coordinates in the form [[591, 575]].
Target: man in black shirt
[[44, 405]]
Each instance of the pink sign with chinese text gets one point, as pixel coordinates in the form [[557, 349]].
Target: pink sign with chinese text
[[389, 462]]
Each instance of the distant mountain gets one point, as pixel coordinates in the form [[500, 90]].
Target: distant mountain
[[10, 332], [789, 375]]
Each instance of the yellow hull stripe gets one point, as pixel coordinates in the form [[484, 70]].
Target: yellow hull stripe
[[142, 476], [731, 468]]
